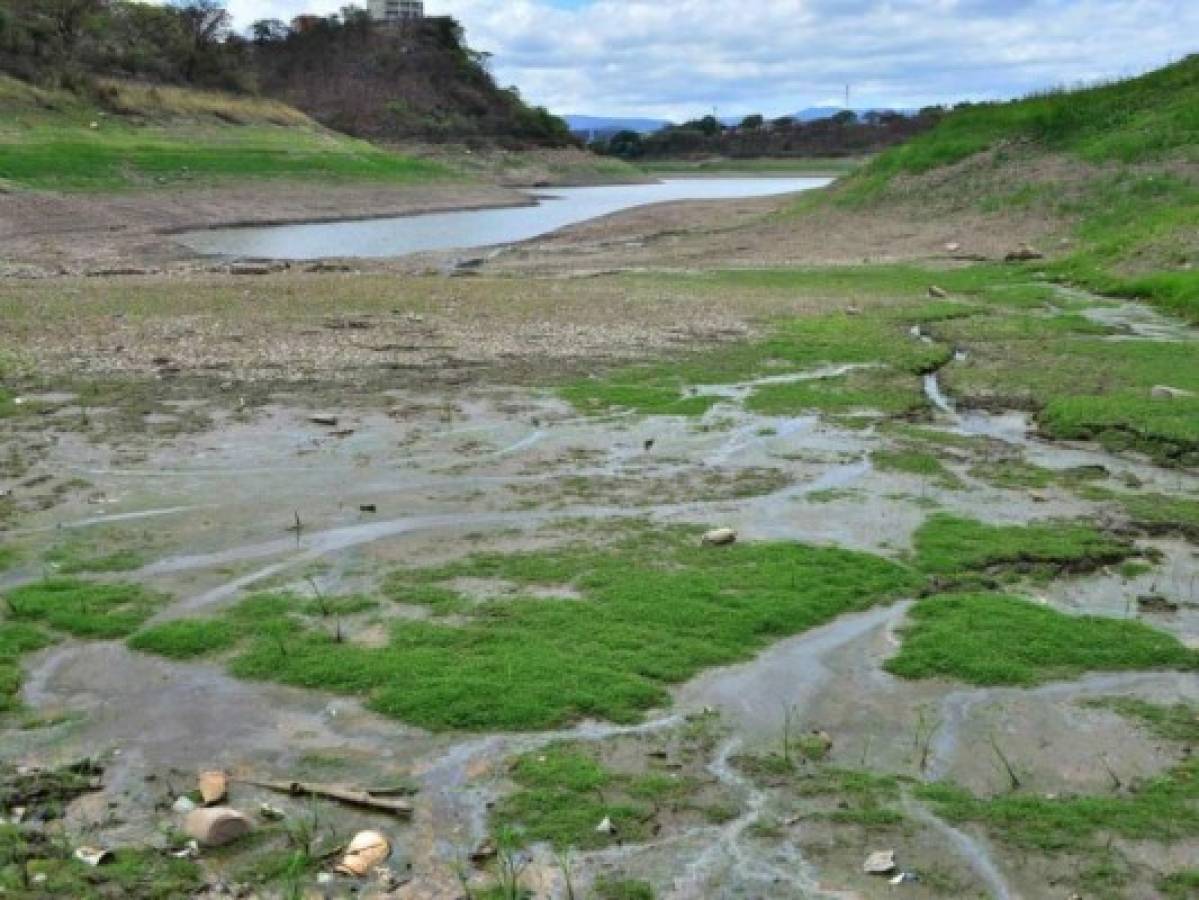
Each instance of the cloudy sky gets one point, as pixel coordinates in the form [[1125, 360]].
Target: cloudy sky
[[681, 58]]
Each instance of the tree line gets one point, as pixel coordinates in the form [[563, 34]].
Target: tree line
[[844, 134]]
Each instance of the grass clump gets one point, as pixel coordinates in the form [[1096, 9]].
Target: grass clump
[[1173, 723], [75, 559], [652, 609], [607, 888], [564, 792], [988, 639], [16, 639], [1163, 514], [1182, 885], [947, 545], [915, 462], [186, 638], [83, 609]]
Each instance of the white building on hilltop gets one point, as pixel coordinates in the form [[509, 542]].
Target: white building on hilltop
[[395, 10]]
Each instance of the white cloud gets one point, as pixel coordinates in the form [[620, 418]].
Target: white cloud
[[678, 58]]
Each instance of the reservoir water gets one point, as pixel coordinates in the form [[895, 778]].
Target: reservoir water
[[401, 235]]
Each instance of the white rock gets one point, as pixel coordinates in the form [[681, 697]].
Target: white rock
[[1165, 392], [880, 862], [719, 536], [183, 805], [606, 826]]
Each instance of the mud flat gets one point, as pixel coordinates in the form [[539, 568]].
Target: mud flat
[[467, 569]]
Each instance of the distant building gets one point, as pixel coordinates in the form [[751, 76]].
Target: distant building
[[396, 10]]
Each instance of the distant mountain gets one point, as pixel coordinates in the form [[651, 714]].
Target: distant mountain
[[589, 124], [814, 113]]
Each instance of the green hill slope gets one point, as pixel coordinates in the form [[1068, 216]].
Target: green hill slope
[[1115, 168], [133, 135]]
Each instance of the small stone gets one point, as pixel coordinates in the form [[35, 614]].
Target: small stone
[[327, 419], [718, 537], [183, 805], [952, 247], [1165, 392], [880, 862], [484, 852], [938, 292], [325, 878], [93, 856], [606, 826], [1023, 253]]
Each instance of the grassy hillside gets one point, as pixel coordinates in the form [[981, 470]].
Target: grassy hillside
[[135, 135], [1115, 166]]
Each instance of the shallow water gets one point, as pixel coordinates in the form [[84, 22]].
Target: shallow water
[[556, 208]]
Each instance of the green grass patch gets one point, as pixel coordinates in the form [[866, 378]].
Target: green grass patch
[[16, 639], [947, 545], [990, 639], [879, 339], [1162, 513], [187, 638], [915, 462], [75, 558], [1179, 722], [610, 888], [83, 608], [1182, 885], [653, 609], [174, 136]]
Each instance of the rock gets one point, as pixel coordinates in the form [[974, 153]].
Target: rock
[[190, 850], [325, 878], [852, 311], [1023, 253], [93, 856], [484, 852], [718, 537], [214, 786], [270, 813], [905, 878], [1165, 392], [183, 805], [939, 292], [1156, 603], [367, 850], [606, 826], [880, 862], [214, 826], [952, 247], [327, 419]]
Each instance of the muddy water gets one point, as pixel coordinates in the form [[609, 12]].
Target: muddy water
[[494, 469], [554, 208]]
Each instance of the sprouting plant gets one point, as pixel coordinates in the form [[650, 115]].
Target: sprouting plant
[[511, 862], [926, 730], [566, 863], [788, 721], [1013, 778]]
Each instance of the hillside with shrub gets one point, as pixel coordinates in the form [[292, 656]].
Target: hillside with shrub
[[1111, 171], [417, 81]]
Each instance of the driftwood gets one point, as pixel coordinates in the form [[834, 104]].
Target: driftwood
[[367, 799]]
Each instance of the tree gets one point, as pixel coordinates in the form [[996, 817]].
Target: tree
[[266, 31], [207, 24], [626, 144], [752, 123]]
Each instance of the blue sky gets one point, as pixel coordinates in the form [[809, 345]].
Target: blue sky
[[681, 58]]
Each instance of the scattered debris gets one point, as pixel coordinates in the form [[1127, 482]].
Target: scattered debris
[[368, 508], [648, 445], [214, 826], [952, 247], [367, 799], [325, 878], [367, 850], [214, 786], [718, 536], [1156, 603], [938, 292], [880, 862], [327, 419], [93, 856], [341, 432], [606, 826], [905, 878], [35, 790], [183, 805]]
